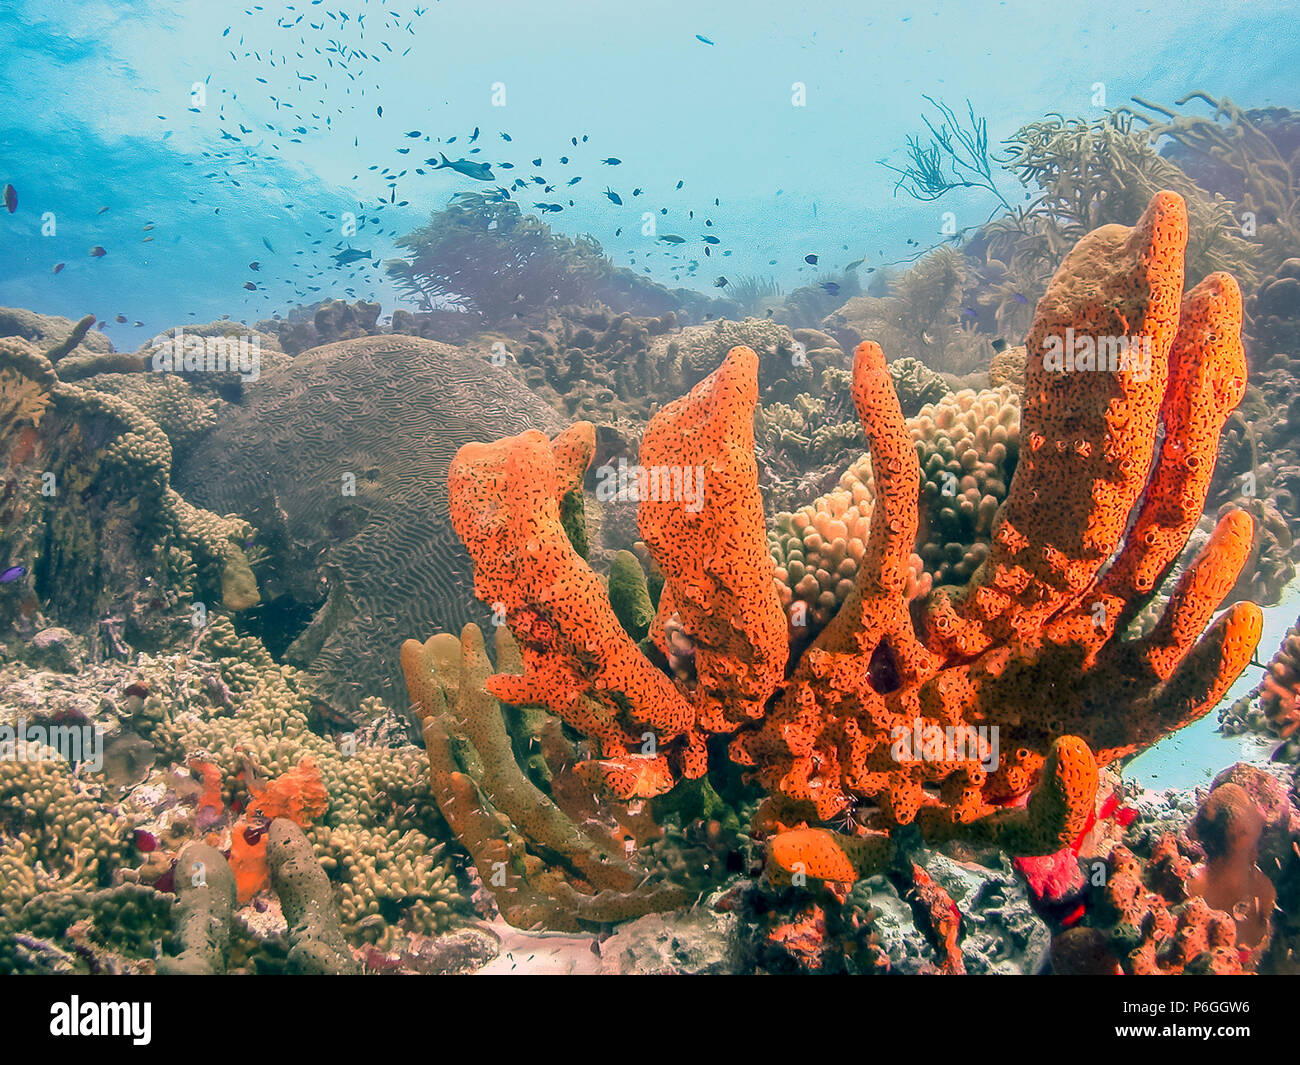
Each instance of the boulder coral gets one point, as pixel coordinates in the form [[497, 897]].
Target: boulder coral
[[1015, 687]]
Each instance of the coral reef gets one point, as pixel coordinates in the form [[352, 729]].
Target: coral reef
[[1250, 157], [501, 817], [1087, 173], [90, 512], [487, 259], [1037, 613], [925, 314], [323, 323], [967, 445], [592, 363], [340, 460], [1194, 898]]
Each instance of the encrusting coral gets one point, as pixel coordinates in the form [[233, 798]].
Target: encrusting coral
[[1032, 647]]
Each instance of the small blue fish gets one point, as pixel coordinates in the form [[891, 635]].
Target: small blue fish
[[702, 39], [1019, 298], [13, 573]]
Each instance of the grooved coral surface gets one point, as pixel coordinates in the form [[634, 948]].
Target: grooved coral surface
[[390, 411]]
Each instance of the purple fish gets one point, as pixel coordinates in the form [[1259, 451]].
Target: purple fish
[[12, 574]]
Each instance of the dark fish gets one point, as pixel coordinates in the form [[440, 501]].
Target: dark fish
[[250, 286], [11, 198], [351, 255], [611, 161], [854, 265], [415, 133], [379, 111], [59, 266], [681, 183], [98, 252], [505, 137], [255, 265], [811, 260], [267, 245], [970, 312], [12, 574], [137, 325], [710, 240], [574, 181], [614, 197], [477, 171], [720, 283], [999, 345], [702, 39], [672, 238], [832, 287], [473, 136], [1018, 297], [120, 319]]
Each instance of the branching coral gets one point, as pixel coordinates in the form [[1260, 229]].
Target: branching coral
[[1264, 174], [484, 256], [1087, 173], [921, 316]]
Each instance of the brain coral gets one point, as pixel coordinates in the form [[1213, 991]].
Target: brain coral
[[341, 461]]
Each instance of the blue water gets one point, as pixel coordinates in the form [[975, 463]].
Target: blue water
[[97, 102]]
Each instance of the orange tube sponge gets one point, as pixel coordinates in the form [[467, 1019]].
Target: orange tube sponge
[[1031, 652], [710, 543], [578, 661], [983, 710], [1087, 435]]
